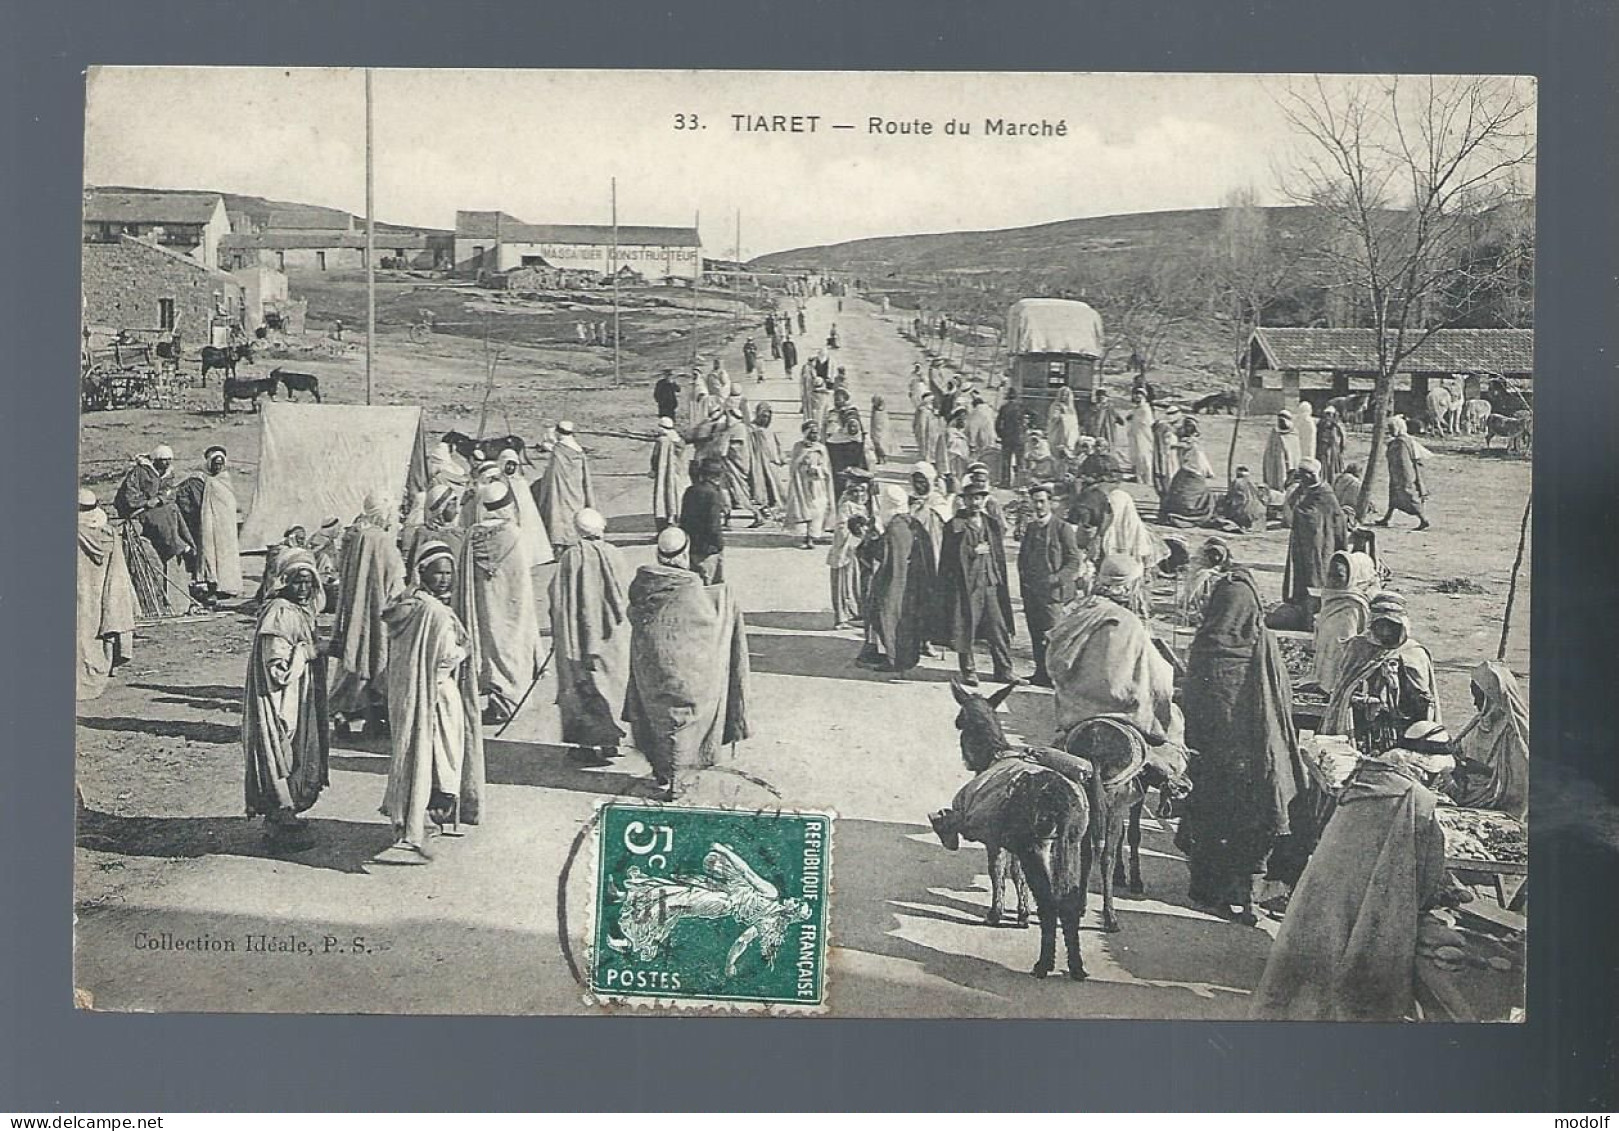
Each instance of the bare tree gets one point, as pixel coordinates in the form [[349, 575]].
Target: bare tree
[[1250, 271], [1144, 302], [1400, 170]]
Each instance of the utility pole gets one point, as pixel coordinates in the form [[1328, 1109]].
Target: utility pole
[[697, 226], [370, 246], [614, 265]]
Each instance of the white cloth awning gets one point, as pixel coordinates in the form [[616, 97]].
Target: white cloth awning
[[1053, 325]]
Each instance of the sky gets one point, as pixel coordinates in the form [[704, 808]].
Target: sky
[[544, 146]]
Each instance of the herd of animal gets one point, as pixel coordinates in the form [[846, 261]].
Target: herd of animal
[[250, 389], [1502, 412]]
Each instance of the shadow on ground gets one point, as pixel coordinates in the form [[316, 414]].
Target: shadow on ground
[[539, 764], [341, 846], [882, 876], [824, 657]]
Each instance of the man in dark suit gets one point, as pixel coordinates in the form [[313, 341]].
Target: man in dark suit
[[703, 509], [977, 603], [1048, 568], [1011, 429]]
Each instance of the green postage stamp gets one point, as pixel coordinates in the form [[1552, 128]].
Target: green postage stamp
[[719, 906]]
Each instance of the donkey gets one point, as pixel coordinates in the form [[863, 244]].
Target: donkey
[[1042, 821], [1125, 768]]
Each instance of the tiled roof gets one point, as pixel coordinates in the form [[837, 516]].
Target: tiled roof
[[308, 219], [484, 225], [150, 207], [1355, 351], [286, 241]]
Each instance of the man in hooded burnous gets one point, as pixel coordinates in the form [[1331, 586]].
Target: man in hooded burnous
[[147, 495], [208, 504], [668, 473], [286, 732], [437, 770], [565, 489], [372, 575], [589, 604], [495, 601]]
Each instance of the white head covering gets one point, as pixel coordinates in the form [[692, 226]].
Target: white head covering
[[892, 500], [565, 427], [87, 498], [162, 451], [665, 422], [590, 522], [510, 456], [1310, 464], [672, 543], [494, 495]]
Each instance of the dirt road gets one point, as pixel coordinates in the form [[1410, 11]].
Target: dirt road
[[497, 923]]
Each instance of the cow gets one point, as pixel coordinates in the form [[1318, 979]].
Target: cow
[[1475, 416], [1351, 409], [1224, 401], [1516, 430], [297, 382], [224, 359], [248, 389], [468, 448]]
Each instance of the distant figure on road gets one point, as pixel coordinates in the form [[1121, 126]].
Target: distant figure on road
[[802, 328], [1329, 449], [565, 488], [789, 355], [750, 357]]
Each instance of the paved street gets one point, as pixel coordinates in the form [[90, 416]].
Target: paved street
[[497, 924]]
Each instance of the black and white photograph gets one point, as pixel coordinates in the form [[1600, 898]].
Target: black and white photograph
[[1100, 500]]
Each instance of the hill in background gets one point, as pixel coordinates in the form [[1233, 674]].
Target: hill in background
[[1039, 249]]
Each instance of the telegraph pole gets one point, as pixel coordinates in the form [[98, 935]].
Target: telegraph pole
[[370, 245], [614, 266], [697, 225]]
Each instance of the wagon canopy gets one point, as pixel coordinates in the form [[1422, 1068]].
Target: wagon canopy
[[319, 461], [1053, 325]]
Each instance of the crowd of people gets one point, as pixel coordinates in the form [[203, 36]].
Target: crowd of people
[[435, 609]]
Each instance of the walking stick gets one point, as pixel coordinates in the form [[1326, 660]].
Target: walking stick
[[545, 663], [1512, 586]]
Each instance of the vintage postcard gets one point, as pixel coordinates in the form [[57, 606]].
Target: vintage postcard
[[844, 544]]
